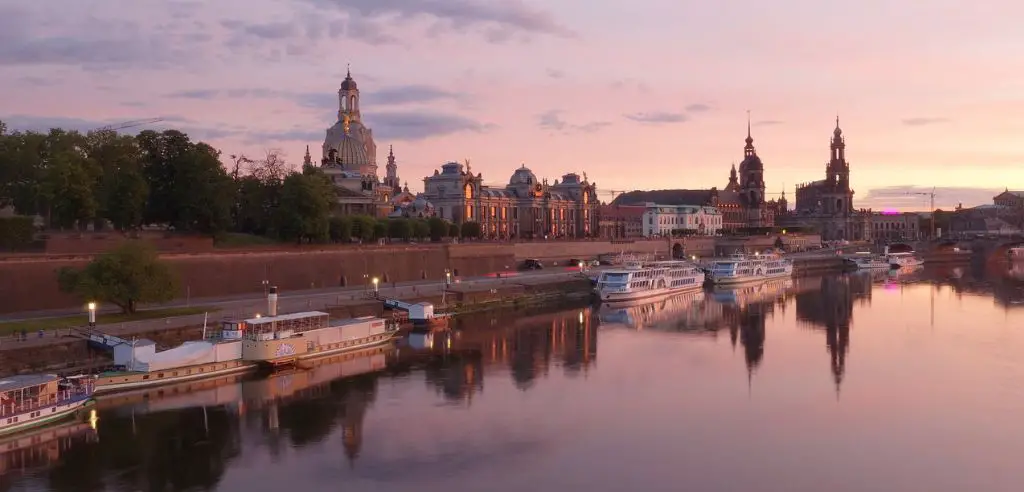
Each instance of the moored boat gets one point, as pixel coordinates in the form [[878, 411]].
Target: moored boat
[[900, 260], [33, 400], [740, 268], [288, 338], [1016, 253], [869, 261], [642, 280]]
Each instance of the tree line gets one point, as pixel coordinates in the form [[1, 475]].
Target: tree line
[[102, 179]]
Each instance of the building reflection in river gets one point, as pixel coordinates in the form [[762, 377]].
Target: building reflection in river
[[362, 413]]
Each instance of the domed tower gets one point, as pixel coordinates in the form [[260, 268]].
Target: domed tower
[[837, 171], [348, 98], [751, 172], [350, 115]]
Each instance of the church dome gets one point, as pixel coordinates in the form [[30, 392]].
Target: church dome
[[349, 84], [352, 154], [752, 163], [523, 175]]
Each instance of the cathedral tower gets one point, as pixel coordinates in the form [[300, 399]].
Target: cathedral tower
[[837, 171], [391, 179], [751, 172]]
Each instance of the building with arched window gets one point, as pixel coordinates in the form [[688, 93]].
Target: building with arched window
[[525, 208], [350, 160]]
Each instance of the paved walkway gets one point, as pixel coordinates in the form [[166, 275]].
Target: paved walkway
[[237, 307]]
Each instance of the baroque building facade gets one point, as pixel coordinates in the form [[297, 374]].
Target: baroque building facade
[[349, 160], [742, 203], [526, 208], [826, 205]]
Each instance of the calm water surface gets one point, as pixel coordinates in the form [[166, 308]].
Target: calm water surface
[[849, 383]]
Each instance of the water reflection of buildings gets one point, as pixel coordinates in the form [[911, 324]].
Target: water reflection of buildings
[[182, 437], [1003, 281], [830, 306], [28, 452]]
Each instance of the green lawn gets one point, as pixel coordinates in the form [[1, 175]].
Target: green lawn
[[34, 325]]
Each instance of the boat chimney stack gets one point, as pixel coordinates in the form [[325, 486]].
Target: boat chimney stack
[[272, 301], [886, 253]]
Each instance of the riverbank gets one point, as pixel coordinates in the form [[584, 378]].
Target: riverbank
[[59, 352]]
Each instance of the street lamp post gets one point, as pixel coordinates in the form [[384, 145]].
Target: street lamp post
[[92, 315], [376, 287]]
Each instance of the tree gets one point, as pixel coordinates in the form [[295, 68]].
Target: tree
[[471, 230], [341, 229], [126, 198], [400, 229], [778, 243], [125, 277], [362, 227], [380, 229], [272, 168], [305, 210], [420, 229], [68, 189], [453, 230], [189, 189], [438, 228]]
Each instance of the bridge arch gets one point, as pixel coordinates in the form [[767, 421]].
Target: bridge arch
[[678, 251], [900, 248]]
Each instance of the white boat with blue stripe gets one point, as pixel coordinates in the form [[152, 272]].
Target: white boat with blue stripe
[[642, 280], [740, 268]]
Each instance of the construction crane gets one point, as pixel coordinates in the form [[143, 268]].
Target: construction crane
[[128, 124], [931, 196]]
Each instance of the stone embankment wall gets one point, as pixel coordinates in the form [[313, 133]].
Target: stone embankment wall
[[30, 280]]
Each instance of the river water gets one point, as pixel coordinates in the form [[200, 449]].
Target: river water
[[892, 382]]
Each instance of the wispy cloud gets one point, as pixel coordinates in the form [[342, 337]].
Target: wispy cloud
[[498, 20], [698, 108], [767, 122], [658, 117], [923, 121], [553, 120], [910, 197], [387, 96], [419, 125]]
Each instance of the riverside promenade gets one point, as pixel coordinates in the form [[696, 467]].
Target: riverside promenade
[[306, 300]]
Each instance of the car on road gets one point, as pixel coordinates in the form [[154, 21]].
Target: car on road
[[531, 264]]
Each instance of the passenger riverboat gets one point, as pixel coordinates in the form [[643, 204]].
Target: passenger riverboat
[[740, 268], [33, 400], [900, 260], [642, 280], [288, 338], [869, 261]]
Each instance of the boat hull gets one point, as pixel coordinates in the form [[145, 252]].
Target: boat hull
[[634, 295], [11, 424], [132, 380], [333, 349], [748, 279]]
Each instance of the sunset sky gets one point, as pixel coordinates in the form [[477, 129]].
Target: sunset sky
[[639, 95]]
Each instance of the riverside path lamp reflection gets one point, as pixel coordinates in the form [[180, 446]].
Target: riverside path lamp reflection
[[92, 314]]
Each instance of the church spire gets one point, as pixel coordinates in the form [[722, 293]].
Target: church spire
[[748, 150], [307, 159]]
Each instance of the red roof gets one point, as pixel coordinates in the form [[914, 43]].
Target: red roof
[[622, 211]]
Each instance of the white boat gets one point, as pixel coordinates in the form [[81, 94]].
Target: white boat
[[642, 280], [868, 261], [900, 260], [741, 268], [674, 312], [32, 400], [288, 338]]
